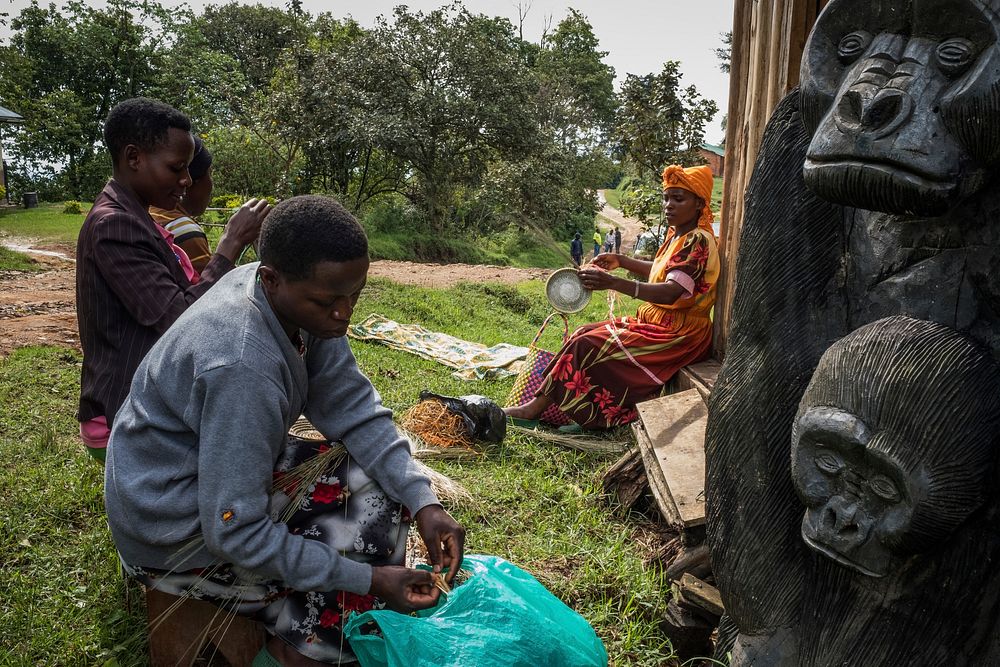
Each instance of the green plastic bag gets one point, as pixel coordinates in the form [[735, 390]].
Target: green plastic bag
[[501, 616]]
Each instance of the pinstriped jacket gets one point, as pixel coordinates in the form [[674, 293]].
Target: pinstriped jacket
[[130, 288]]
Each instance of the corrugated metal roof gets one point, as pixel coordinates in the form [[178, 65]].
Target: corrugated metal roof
[[8, 116], [718, 150]]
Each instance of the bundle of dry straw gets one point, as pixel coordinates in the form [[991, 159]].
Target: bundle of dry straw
[[434, 424]]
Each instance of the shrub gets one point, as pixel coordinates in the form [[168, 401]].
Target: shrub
[[227, 201], [72, 206]]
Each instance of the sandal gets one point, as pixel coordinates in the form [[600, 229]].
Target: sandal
[[523, 423], [571, 429]]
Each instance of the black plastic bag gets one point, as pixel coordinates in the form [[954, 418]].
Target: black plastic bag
[[484, 419]]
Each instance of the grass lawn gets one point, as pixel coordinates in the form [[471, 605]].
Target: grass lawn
[[17, 261], [46, 222], [717, 196], [539, 506], [531, 248]]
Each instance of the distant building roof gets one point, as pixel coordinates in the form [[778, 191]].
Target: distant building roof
[[8, 116], [718, 150]]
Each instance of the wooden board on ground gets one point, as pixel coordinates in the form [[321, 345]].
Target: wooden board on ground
[[674, 452], [654, 476], [626, 481], [700, 376], [696, 593]]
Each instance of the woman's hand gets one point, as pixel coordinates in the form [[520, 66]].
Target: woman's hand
[[444, 538], [243, 228], [609, 261], [404, 589], [595, 278]]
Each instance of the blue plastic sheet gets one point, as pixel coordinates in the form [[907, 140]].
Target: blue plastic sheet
[[500, 617]]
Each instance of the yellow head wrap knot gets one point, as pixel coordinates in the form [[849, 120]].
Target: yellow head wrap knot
[[697, 180]]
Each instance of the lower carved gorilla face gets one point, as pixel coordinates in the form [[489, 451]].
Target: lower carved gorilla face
[[902, 98], [894, 442], [857, 501]]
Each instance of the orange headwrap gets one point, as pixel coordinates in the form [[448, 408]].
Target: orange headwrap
[[697, 180]]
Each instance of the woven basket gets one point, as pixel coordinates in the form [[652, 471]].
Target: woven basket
[[304, 430], [530, 379]]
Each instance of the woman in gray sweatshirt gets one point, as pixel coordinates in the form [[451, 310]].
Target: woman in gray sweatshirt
[[195, 447]]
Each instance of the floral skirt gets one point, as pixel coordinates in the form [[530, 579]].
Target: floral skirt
[[346, 510], [604, 369]]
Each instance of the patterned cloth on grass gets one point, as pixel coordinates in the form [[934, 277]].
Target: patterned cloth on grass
[[473, 361], [346, 510]]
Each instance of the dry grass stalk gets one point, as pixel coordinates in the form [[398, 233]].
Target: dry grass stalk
[[440, 583], [436, 425], [297, 482], [580, 442]]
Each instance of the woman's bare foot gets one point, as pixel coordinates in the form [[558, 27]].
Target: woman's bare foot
[[530, 410], [289, 657]]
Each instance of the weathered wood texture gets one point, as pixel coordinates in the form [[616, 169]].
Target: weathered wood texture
[[697, 594], [700, 376], [654, 476], [625, 481], [690, 633], [768, 41], [671, 438]]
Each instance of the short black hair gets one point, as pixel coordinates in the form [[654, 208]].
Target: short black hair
[[201, 161], [303, 231], [143, 122]]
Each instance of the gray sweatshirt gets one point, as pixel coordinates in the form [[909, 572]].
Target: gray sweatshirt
[[194, 445]]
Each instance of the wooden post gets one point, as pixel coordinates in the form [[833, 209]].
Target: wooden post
[[768, 41]]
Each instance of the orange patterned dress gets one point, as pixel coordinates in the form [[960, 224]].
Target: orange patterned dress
[[604, 369]]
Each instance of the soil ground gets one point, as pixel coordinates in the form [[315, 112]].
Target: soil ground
[[40, 308], [631, 228]]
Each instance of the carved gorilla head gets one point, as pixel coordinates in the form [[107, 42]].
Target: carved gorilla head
[[903, 99], [894, 441]]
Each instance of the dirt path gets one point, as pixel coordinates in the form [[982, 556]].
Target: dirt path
[[631, 227], [40, 308], [448, 275]]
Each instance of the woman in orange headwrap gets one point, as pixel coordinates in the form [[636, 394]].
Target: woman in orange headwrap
[[604, 369]]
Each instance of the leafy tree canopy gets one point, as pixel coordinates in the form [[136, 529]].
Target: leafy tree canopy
[[661, 123]]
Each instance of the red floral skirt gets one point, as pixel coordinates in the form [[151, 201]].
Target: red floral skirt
[[604, 369]]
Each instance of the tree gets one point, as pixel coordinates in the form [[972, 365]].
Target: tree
[[241, 163], [576, 93], [198, 79], [725, 52], [421, 90], [661, 123], [253, 36], [64, 69], [336, 160]]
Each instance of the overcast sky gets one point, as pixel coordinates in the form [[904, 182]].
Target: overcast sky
[[640, 35]]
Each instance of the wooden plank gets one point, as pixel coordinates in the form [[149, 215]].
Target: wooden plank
[[626, 480], [768, 43], [654, 475], [687, 561], [700, 376], [675, 428], [697, 593], [690, 633]]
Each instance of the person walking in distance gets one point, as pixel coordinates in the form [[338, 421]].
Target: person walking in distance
[[576, 250]]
